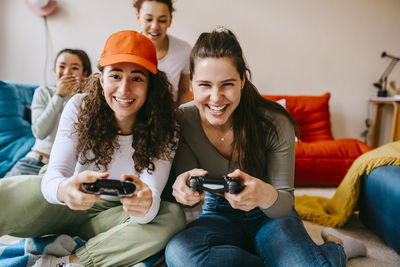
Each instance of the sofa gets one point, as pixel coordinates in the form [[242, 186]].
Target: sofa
[[320, 160], [16, 137]]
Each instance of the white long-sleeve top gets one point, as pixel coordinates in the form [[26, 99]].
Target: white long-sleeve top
[[63, 163], [46, 112], [176, 62]]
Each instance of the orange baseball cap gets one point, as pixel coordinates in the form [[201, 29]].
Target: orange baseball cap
[[132, 47]]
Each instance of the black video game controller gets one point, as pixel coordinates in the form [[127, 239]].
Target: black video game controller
[[110, 187], [215, 185]]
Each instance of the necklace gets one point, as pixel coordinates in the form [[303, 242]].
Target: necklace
[[223, 137], [212, 132]]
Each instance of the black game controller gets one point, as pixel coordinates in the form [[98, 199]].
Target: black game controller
[[110, 187], [215, 185]]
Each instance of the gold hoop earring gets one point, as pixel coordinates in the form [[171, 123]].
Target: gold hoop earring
[[102, 92]]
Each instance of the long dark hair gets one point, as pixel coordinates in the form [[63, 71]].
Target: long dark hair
[[249, 143], [155, 130]]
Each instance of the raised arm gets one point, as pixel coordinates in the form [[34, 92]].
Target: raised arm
[[46, 109]]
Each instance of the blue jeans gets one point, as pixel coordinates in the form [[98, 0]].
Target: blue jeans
[[223, 236], [26, 166]]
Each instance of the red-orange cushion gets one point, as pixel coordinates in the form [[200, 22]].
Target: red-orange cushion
[[311, 113], [325, 163]]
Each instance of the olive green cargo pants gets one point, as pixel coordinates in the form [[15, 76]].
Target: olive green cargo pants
[[112, 238]]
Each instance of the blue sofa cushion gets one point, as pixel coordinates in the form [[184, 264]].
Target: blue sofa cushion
[[380, 202], [16, 137]]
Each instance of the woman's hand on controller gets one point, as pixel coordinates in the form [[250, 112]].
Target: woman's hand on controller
[[256, 193], [139, 204], [69, 190], [182, 192]]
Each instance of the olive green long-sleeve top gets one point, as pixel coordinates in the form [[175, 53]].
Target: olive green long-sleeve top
[[196, 151]]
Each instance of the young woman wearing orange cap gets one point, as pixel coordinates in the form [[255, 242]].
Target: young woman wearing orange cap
[[155, 17], [123, 127]]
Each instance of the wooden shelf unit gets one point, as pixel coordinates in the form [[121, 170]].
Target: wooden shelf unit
[[379, 102]]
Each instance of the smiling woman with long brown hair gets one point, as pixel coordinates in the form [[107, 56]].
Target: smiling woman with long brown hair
[[230, 129]]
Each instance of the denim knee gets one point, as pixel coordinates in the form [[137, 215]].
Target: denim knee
[[176, 252]]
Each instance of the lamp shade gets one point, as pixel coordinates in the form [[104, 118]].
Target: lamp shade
[[41, 7]]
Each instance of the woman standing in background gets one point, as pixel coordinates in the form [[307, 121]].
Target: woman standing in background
[[155, 17]]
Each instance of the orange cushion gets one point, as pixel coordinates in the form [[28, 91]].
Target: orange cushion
[[311, 113], [325, 163]]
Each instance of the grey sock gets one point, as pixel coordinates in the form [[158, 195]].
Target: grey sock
[[352, 247], [63, 245]]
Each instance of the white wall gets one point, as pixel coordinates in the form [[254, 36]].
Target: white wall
[[292, 46]]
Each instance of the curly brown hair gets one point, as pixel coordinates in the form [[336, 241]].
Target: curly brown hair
[[155, 130]]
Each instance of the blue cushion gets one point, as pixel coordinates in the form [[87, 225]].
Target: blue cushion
[[380, 202], [16, 137]]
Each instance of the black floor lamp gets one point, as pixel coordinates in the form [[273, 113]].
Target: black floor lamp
[[382, 83]]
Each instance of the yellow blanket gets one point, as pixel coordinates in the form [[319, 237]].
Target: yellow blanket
[[337, 210]]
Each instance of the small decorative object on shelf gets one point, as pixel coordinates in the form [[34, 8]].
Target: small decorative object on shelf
[[382, 83]]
